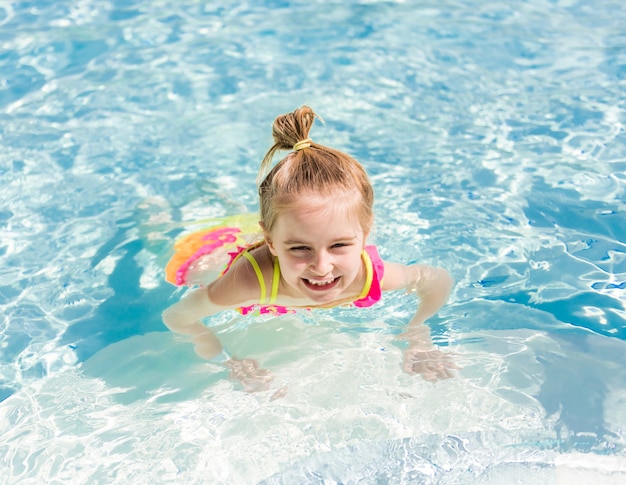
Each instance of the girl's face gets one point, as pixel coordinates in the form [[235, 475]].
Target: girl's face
[[318, 243]]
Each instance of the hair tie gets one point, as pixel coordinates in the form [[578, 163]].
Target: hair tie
[[306, 143]]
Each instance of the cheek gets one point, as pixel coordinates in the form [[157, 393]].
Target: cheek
[[291, 263], [354, 262]]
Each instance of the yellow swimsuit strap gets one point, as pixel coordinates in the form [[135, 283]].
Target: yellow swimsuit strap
[[275, 281], [259, 275], [369, 275]]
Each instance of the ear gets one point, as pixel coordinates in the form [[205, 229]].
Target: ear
[[268, 238]]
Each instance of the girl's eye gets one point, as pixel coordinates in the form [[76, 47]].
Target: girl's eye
[[299, 248], [339, 245]]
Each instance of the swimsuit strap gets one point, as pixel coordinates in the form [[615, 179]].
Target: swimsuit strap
[[374, 273], [369, 275], [259, 274], [275, 281]]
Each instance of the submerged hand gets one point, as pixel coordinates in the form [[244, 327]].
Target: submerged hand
[[421, 357], [248, 373], [432, 364]]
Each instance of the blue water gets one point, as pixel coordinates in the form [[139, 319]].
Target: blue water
[[494, 135]]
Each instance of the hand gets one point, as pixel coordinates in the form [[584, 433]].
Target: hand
[[248, 373], [421, 357], [432, 364]]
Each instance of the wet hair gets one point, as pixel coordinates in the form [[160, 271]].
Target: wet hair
[[311, 169]]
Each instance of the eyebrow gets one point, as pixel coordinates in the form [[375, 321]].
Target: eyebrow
[[291, 242]]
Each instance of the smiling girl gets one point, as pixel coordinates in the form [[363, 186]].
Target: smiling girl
[[315, 215]]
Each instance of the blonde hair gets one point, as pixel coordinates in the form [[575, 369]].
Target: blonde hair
[[310, 169]]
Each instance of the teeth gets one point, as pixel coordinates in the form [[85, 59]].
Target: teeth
[[320, 283]]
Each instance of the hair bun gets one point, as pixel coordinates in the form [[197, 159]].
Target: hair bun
[[291, 128], [290, 131]]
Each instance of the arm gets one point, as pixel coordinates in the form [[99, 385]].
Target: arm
[[184, 317], [432, 286], [227, 292], [238, 287]]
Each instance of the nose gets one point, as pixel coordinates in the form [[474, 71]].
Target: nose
[[321, 263]]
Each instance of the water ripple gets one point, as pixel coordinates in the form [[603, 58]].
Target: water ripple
[[495, 138]]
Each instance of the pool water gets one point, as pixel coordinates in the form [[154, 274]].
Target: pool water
[[494, 136]]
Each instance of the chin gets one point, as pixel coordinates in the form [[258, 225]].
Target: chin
[[324, 298]]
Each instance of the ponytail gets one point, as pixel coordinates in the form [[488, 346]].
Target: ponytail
[[290, 132]]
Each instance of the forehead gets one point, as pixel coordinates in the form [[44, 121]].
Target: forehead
[[321, 214], [333, 204]]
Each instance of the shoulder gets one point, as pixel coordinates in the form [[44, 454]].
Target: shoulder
[[393, 275], [397, 275], [239, 286], [416, 277]]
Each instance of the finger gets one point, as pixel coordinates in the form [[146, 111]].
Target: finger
[[279, 393], [445, 374], [235, 372], [429, 376], [264, 376], [434, 366], [407, 366], [253, 385]]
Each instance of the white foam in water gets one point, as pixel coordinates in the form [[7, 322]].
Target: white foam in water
[[494, 136]]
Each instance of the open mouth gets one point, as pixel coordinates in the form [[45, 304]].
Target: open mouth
[[320, 285]]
